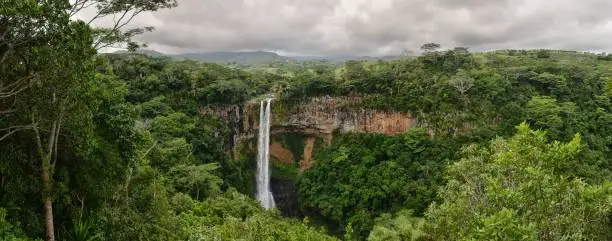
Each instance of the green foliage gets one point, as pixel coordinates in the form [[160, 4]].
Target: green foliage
[[543, 54], [154, 107], [127, 10], [140, 210], [362, 176], [84, 231], [293, 142], [121, 141], [175, 124], [284, 171], [186, 86], [348, 232], [233, 216], [196, 180], [518, 189], [258, 227], [402, 226], [9, 231]]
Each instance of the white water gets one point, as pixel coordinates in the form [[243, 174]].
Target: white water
[[264, 195]]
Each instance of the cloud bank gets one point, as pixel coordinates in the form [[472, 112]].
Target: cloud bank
[[378, 27]]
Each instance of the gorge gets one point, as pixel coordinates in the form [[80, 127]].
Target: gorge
[[296, 132], [314, 118]]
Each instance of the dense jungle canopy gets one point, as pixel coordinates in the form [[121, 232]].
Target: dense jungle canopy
[[510, 144]]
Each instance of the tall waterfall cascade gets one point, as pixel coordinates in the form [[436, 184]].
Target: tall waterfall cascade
[[264, 195]]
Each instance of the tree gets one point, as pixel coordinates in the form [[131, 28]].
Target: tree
[[430, 47], [233, 216], [461, 50], [546, 113], [24, 26], [58, 96], [354, 74], [49, 75], [122, 12], [463, 83], [197, 180], [361, 176], [517, 189], [543, 54], [402, 226]]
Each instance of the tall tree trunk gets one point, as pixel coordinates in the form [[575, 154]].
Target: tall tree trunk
[[47, 170], [48, 208], [46, 175]]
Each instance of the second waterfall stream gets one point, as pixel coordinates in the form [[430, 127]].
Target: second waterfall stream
[[264, 195]]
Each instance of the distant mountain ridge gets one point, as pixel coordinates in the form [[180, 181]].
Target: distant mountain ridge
[[148, 52], [255, 57], [233, 57]]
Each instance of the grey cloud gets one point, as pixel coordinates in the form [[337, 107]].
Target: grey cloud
[[235, 25], [370, 27]]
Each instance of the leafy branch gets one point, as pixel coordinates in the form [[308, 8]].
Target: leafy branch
[[122, 13]]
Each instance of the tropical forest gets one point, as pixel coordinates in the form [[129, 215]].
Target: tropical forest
[[448, 144]]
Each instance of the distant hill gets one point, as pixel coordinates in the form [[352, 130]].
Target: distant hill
[[148, 52], [256, 57], [387, 57], [342, 58]]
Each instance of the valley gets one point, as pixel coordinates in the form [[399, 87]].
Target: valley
[[215, 143]]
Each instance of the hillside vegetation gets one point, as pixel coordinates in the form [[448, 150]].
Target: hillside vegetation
[[510, 145]]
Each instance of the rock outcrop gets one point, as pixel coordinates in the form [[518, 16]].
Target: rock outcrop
[[330, 115], [316, 117], [306, 161], [298, 131]]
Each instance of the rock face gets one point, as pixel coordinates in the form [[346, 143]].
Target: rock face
[[298, 131], [280, 153], [306, 161], [316, 117], [326, 115]]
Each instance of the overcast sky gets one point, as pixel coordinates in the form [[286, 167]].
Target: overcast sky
[[378, 27]]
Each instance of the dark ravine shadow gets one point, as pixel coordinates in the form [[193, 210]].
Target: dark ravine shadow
[[286, 197]]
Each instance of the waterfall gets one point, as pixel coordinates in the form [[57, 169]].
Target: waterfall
[[264, 195]]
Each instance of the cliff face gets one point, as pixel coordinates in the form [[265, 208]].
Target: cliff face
[[326, 115], [319, 117], [298, 131]]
